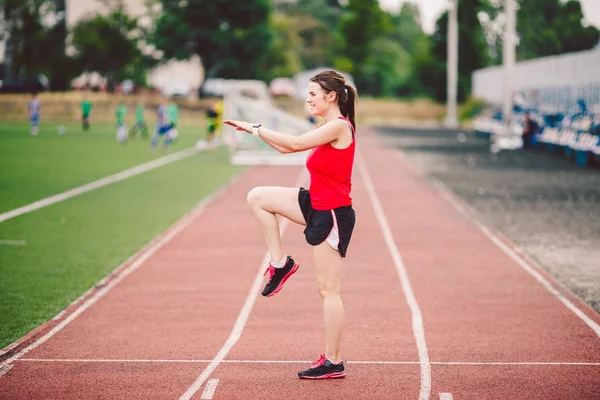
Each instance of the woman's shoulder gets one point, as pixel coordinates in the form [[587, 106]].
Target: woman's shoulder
[[339, 123]]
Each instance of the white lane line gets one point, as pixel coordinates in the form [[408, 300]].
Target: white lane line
[[240, 323], [446, 396], [5, 369], [446, 194], [417, 317], [209, 390], [139, 169], [102, 360], [158, 361], [59, 315], [139, 257], [13, 242], [8, 348], [513, 363]]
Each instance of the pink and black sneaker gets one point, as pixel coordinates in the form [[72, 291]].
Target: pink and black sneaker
[[323, 369], [278, 276]]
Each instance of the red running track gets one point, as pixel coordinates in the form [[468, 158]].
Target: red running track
[[435, 310]]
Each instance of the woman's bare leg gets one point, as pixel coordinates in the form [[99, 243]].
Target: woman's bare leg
[[329, 267], [266, 203]]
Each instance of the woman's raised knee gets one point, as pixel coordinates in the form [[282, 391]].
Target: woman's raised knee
[[254, 196]]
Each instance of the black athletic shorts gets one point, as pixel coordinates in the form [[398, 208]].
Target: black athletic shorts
[[335, 226]]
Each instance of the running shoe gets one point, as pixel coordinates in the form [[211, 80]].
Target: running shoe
[[323, 369], [278, 276]]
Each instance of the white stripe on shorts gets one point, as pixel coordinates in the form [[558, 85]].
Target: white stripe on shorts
[[334, 236]]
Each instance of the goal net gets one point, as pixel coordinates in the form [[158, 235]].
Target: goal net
[[250, 101]]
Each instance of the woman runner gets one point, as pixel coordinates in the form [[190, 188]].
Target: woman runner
[[325, 209]]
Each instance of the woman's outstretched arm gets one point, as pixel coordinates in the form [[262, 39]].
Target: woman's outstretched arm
[[326, 133]]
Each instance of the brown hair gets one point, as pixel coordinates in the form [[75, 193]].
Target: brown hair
[[332, 81]]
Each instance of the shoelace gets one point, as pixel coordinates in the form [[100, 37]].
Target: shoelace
[[322, 359], [271, 270]]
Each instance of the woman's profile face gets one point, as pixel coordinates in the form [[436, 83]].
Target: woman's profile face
[[317, 100]]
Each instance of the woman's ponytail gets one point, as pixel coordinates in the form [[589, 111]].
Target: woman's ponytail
[[349, 108]]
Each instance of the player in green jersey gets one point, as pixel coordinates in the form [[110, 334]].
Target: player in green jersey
[[140, 122], [86, 109]]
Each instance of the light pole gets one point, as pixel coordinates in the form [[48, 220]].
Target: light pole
[[508, 59], [451, 120]]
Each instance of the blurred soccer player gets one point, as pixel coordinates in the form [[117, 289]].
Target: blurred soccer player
[[34, 106], [165, 128], [86, 109], [122, 133], [140, 122]]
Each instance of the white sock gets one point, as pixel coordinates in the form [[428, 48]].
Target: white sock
[[280, 263]]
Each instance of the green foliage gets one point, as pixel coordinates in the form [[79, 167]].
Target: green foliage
[[388, 54], [362, 23], [316, 22], [284, 56], [545, 28], [551, 27], [108, 45], [408, 33], [471, 108], [407, 30], [232, 37], [35, 32], [387, 68], [472, 49]]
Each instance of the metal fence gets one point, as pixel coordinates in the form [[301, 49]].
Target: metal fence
[[556, 82]]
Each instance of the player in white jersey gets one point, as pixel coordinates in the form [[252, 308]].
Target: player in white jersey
[[163, 126], [34, 105]]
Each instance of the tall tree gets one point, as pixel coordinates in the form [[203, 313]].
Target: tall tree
[[35, 34], [108, 44], [5, 28], [315, 22], [551, 27], [61, 65], [284, 56], [387, 69], [360, 26], [232, 37], [545, 28], [472, 50], [408, 33], [407, 29], [25, 32]]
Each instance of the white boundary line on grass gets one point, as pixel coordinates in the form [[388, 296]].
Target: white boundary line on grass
[[242, 318], [174, 361], [417, 316], [128, 173], [140, 257], [13, 242], [449, 197]]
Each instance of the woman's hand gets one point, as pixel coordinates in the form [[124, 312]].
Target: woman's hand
[[239, 125]]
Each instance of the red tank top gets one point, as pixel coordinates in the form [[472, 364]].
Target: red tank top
[[331, 175]]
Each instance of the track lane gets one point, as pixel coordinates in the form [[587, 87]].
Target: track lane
[[180, 304], [289, 326], [478, 304]]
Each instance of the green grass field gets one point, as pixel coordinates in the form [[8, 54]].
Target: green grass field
[[73, 244]]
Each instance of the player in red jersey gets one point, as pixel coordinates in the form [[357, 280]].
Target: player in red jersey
[[325, 209]]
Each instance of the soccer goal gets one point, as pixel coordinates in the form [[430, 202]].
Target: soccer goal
[[250, 101]]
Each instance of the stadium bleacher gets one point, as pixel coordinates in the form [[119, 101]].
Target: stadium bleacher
[[570, 130]]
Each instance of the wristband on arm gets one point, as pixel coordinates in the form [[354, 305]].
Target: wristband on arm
[[255, 129]]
